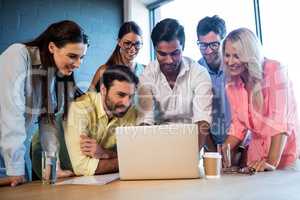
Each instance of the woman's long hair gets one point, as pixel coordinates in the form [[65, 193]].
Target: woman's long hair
[[116, 58], [60, 33], [249, 50], [127, 27]]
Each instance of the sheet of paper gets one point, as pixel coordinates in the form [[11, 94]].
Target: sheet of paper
[[91, 180]]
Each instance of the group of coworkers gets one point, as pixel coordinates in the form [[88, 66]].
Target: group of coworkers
[[233, 93]]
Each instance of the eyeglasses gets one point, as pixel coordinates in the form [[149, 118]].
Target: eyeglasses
[[212, 45], [128, 44], [175, 53]]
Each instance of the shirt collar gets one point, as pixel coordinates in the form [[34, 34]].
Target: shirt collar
[[184, 67], [210, 71], [236, 83], [99, 106]]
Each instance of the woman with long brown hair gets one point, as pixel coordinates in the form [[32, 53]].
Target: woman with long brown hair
[[128, 45], [37, 84]]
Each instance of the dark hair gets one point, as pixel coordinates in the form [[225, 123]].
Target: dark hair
[[60, 33], [127, 27], [214, 23], [168, 30], [120, 73]]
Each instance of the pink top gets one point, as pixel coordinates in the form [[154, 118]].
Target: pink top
[[279, 114]]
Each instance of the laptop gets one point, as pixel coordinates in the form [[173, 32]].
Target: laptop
[[158, 152]]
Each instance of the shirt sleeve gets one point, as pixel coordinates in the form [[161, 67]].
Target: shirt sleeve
[[202, 100], [237, 129], [146, 96], [77, 124], [280, 102], [14, 63]]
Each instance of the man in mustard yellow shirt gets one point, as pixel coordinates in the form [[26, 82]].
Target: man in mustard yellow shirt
[[90, 132]]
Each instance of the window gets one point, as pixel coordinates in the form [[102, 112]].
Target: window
[[189, 12], [280, 31]]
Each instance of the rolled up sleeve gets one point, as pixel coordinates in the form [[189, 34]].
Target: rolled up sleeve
[[146, 97], [202, 100], [78, 122]]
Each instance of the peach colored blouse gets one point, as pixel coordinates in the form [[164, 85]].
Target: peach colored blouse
[[279, 114]]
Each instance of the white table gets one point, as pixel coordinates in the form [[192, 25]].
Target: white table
[[283, 185]]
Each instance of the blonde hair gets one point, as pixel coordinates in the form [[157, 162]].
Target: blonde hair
[[249, 50]]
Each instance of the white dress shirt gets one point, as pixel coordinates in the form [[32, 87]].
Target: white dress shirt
[[189, 101]]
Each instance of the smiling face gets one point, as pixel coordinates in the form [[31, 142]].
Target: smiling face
[[209, 45], [234, 65], [130, 44], [68, 57]]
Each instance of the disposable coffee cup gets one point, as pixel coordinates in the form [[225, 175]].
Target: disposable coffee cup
[[49, 162], [212, 164]]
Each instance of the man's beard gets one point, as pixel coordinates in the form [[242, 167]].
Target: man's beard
[[112, 108], [214, 61], [170, 68]]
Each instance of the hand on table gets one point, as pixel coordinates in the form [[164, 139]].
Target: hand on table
[[261, 165], [63, 173], [12, 180]]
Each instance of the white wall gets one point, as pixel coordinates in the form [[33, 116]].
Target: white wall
[[135, 10]]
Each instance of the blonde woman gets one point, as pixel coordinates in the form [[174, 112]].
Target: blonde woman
[[262, 102]]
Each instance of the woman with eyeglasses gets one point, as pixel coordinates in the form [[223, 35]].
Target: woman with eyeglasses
[[126, 50], [37, 85], [262, 102]]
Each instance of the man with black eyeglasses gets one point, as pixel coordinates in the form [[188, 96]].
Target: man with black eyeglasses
[[174, 88], [210, 32]]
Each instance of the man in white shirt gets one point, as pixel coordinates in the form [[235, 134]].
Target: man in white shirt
[[173, 88]]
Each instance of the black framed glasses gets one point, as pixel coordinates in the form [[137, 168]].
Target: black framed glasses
[[212, 45], [129, 44]]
